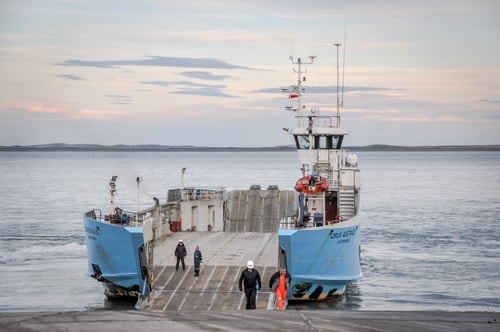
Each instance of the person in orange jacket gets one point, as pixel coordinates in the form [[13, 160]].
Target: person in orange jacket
[[279, 283]]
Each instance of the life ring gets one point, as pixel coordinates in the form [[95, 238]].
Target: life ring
[[312, 185]]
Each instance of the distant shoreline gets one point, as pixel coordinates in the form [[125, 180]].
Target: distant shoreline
[[181, 148]]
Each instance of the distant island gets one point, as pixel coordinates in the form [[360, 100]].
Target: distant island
[[172, 148]]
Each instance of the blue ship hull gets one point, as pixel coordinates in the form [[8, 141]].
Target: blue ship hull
[[321, 260], [115, 258]]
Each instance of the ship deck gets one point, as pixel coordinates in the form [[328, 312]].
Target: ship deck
[[225, 255]]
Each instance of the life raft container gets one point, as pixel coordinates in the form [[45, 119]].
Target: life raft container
[[312, 184]]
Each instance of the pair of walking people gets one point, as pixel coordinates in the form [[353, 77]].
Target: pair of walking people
[[181, 252], [279, 283]]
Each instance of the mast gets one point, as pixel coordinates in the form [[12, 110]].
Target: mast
[[138, 180], [183, 170], [112, 192], [296, 91], [338, 99]]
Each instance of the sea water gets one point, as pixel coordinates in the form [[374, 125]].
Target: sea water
[[429, 234]]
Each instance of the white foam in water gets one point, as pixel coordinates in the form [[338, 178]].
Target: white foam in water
[[41, 252]]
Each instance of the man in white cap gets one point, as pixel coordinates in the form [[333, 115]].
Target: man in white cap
[[180, 252], [250, 278]]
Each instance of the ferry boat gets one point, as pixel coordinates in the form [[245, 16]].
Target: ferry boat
[[320, 247], [317, 224]]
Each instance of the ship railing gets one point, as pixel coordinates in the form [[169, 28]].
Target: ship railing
[[293, 223], [319, 120], [197, 193], [95, 214], [125, 218]]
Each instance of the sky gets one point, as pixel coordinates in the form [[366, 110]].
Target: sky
[[210, 73]]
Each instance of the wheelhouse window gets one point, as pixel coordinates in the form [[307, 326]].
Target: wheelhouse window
[[321, 142], [302, 142]]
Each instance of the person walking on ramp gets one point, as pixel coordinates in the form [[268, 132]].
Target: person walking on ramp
[[279, 283], [250, 278], [197, 261], [180, 253]]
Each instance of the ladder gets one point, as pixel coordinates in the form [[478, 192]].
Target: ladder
[[346, 203]]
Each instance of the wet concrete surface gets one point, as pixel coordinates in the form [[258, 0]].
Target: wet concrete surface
[[225, 255], [250, 320]]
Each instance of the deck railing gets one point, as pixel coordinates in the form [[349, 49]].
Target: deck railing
[[196, 193]]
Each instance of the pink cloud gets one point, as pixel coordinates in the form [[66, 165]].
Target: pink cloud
[[43, 109]]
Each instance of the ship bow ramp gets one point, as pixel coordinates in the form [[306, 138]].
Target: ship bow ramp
[[250, 232]]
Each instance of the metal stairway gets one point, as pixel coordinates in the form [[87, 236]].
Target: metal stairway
[[346, 203]]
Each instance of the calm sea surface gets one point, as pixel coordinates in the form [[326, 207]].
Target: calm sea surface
[[430, 236]]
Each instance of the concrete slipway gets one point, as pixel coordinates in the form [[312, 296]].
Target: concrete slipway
[[249, 320]]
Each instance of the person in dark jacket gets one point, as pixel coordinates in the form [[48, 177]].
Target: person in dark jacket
[[250, 278], [197, 261], [279, 283], [180, 253]]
